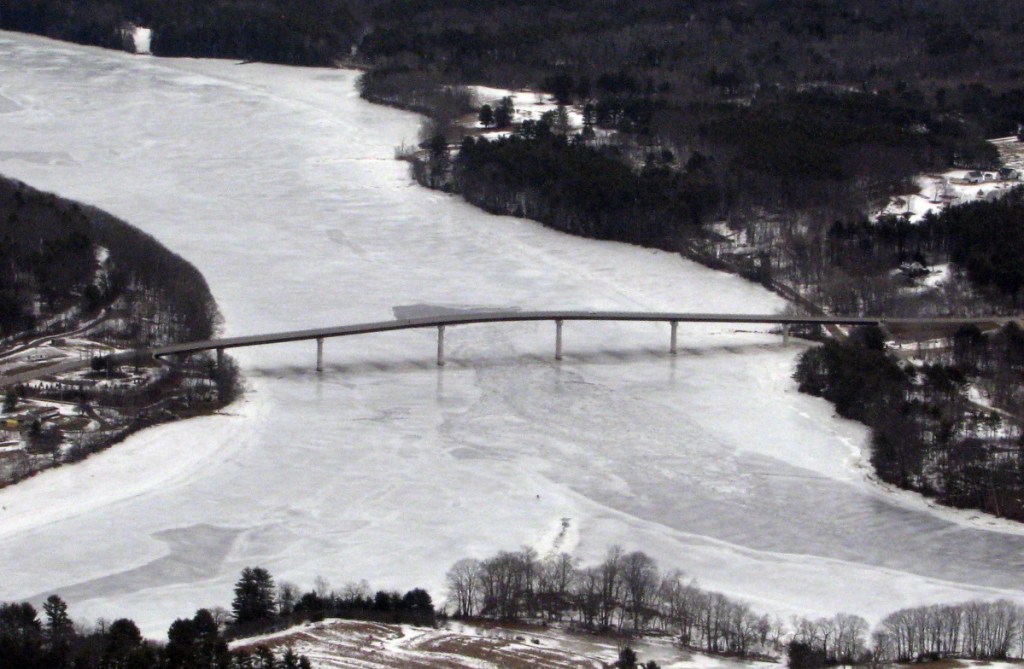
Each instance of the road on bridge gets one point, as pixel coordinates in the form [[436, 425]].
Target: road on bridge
[[442, 321]]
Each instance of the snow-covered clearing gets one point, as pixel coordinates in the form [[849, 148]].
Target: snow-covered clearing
[[939, 191], [280, 185], [954, 187], [528, 105]]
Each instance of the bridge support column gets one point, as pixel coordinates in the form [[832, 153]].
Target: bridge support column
[[558, 339], [220, 358], [319, 354], [672, 341], [440, 346], [785, 334]]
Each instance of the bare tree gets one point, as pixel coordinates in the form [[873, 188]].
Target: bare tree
[[463, 581]]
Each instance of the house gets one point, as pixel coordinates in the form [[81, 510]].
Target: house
[[974, 177], [1008, 174]]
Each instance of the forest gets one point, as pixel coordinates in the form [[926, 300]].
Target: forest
[[928, 433], [49, 266], [577, 189], [797, 106]]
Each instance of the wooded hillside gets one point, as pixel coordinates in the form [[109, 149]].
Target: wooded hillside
[[50, 251]]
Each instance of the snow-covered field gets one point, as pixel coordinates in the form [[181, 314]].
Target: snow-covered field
[[279, 184], [344, 644], [528, 105]]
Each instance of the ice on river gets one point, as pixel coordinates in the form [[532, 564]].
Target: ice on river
[[280, 185]]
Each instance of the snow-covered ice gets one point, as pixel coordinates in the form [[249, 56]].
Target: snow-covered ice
[[280, 185]]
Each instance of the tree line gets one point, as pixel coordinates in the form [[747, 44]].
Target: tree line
[[56, 642], [981, 630], [570, 186], [624, 594], [627, 594], [298, 32], [259, 606]]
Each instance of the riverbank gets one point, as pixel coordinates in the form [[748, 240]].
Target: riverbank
[[106, 288]]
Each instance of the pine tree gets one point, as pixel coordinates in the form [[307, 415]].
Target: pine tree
[[486, 116], [289, 660], [254, 596], [58, 622], [627, 659]]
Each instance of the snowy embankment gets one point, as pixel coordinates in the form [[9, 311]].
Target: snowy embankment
[[279, 184]]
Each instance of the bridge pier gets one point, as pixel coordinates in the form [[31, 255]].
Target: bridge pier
[[440, 346], [319, 354], [785, 334], [558, 339], [672, 341], [220, 358]]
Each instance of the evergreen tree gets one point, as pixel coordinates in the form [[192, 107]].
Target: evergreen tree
[[289, 660], [58, 622], [504, 113], [627, 659], [59, 631], [486, 116], [254, 596], [20, 636]]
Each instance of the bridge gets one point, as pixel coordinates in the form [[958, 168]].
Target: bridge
[[441, 322]]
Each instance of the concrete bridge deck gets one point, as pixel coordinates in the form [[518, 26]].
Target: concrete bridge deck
[[442, 321]]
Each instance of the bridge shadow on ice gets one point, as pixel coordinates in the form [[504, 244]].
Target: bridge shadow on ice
[[469, 360]]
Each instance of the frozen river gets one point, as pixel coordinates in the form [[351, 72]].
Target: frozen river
[[280, 186]]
